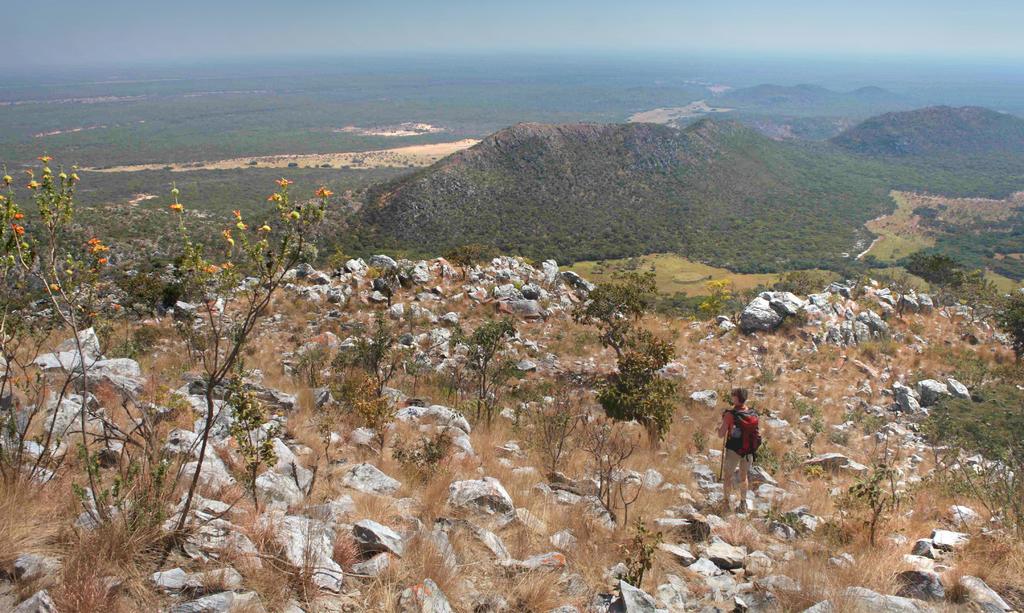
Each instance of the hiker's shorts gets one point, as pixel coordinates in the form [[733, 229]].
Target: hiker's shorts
[[735, 461]]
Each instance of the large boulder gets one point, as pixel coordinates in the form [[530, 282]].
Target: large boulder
[[759, 316], [485, 497], [984, 597], [368, 478], [920, 584], [931, 391], [724, 555], [308, 544], [633, 600], [374, 537]]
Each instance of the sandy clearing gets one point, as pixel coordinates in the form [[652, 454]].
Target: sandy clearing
[[399, 157], [673, 115]]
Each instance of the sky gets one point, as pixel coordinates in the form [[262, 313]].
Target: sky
[[127, 31]]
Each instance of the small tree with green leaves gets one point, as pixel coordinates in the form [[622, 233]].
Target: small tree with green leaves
[[255, 445], [614, 308], [1010, 318], [369, 409], [639, 553], [873, 494], [484, 362], [636, 391], [378, 354], [470, 254]]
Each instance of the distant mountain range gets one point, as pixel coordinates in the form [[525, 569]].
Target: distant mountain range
[[811, 100], [716, 190]]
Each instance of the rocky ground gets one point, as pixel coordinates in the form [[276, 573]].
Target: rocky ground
[[843, 381]]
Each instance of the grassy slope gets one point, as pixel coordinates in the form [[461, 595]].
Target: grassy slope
[[672, 273]]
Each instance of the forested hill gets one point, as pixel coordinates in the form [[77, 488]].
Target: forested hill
[[715, 191], [937, 132]]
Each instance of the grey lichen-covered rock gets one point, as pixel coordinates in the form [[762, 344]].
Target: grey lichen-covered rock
[[759, 316], [920, 584], [368, 478], [424, 597], [868, 600], [435, 414], [309, 543], [947, 540], [706, 397], [633, 600], [485, 497], [383, 262], [984, 597], [273, 486], [724, 555], [907, 399], [221, 602], [374, 537], [957, 389], [834, 462], [931, 391], [31, 567], [40, 602]]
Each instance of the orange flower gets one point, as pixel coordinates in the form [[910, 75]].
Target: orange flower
[[45, 159], [227, 236], [102, 261], [282, 182], [33, 184], [227, 265], [264, 228], [237, 214], [177, 208], [274, 198], [212, 269], [19, 216], [323, 192], [54, 287], [241, 226], [19, 230], [96, 246]]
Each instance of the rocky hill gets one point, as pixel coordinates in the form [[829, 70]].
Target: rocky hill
[[858, 501], [588, 191], [939, 131]]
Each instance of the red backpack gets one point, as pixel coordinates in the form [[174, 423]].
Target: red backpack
[[750, 431]]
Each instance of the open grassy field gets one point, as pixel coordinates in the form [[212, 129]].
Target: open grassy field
[[673, 273], [898, 234]]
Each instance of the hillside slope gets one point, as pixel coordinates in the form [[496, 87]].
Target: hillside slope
[[715, 191], [937, 131]]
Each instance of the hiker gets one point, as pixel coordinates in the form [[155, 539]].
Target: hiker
[[742, 438]]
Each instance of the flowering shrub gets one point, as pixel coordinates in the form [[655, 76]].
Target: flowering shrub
[[236, 280]]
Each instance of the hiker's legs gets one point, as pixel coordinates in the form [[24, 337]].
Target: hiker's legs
[[730, 464], [745, 465]]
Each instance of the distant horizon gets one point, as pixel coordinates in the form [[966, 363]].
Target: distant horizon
[[105, 31]]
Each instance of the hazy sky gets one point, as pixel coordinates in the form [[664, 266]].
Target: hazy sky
[[83, 31]]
